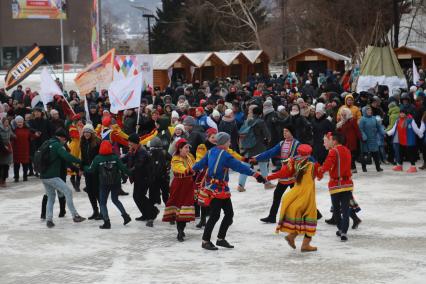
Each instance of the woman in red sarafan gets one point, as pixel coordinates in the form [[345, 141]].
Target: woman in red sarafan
[[180, 206], [21, 148]]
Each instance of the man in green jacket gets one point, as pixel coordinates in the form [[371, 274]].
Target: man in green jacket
[[51, 177], [109, 168]]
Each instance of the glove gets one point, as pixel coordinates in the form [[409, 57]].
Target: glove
[[259, 178], [252, 161]]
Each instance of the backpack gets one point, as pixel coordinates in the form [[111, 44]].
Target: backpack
[[247, 135], [157, 163], [42, 157], [109, 173]]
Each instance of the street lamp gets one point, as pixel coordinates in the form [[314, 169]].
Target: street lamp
[[148, 15]]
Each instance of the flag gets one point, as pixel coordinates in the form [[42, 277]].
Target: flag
[[170, 75], [97, 75], [49, 88], [126, 93], [416, 76], [23, 67], [95, 30]]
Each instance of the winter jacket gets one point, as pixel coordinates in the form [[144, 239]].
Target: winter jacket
[[138, 164], [263, 137], [230, 126], [356, 113], [320, 128], [206, 122], [195, 138], [302, 128], [274, 127], [338, 164], [6, 156], [99, 159], [129, 124], [404, 132], [21, 146], [370, 128], [350, 130], [88, 152], [58, 157], [39, 125], [218, 162], [393, 115]]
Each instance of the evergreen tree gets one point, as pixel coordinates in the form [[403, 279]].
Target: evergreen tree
[[163, 37]]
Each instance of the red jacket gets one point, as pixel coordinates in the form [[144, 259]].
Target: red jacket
[[352, 134], [338, 164], [21, 146]]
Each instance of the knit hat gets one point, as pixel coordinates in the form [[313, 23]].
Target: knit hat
[[189, 120], [320, 107], [106, 121], [304, 150], [210, 132], [134, 138], [413, 89], [215, 113], [88, 128], [281, 108], [180, 126], [19, 118], [105, 148], [222, 138], [267, 107], [228, 112], [175, 114], [155, 143], [290, 129]]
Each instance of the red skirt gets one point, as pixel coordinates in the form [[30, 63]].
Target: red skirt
[[180, 206]]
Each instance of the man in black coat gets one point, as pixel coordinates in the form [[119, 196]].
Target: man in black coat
[[195, 135], [321, 126]]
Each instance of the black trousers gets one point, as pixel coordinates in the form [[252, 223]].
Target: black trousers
[[340, 203], [424, 153], [216, 205], [407, 152], [180, 226], [159, 189], [16, 167], [144, 204], [92, 189], [354, 155], [376, 159], [278, 194], [4, 172]]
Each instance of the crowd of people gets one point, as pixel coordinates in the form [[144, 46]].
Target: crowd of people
[[179, 147]]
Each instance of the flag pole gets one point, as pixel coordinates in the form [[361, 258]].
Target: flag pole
[[62, 50]]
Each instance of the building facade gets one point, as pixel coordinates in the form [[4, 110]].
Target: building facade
[[18, 35]]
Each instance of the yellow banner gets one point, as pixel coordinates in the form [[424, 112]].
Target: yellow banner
[[97, 75]]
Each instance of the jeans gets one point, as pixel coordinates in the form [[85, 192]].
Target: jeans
[[340, 203], [395, 147], [216, 206], [103, 199], [57, 184], [263, 166]]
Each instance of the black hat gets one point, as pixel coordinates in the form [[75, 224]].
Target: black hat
[[290, 128], [134, 138], [61, 133]]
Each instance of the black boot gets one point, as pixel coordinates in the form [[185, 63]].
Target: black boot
[[331, 221], [43, 207], [224, 243], [180, 236], [268, 219], [319, 215], [208, 246], [126, 218], [356, 220], [202, 222], [94, 215], [77, 183], [106, 225], [62, 203]]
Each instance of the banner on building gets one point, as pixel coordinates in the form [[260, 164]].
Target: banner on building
[[97, 75], [130, 65], [23, 67], [125, 93], [95, 30], [39, 9]]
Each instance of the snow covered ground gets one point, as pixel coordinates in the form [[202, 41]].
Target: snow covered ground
[[388, 247]]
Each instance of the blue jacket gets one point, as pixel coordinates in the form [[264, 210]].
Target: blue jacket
[[370, 128], [217, 176], [276, 151]]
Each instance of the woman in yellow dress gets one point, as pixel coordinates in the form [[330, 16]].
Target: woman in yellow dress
[[298, 214]]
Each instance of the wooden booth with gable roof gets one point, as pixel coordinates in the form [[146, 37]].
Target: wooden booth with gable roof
[[317, 59], [406, 55]]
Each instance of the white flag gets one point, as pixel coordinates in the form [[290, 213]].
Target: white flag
[[48, 88], [416, 76], [126, 93]]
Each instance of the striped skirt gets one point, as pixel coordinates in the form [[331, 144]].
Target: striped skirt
[[180, 206]]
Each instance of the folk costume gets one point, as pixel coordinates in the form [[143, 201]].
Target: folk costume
[[218, 162], [284, 150], [338, 164], [298, 214], [75, 131], [180, 205]]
